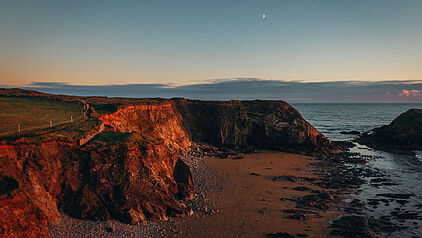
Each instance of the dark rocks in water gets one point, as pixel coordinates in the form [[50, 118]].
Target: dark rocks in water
[[382, 225], [345, 178], [359, 226], [355, 206], [279, 235], [291, 178], [350, 132], [300, 214], [379, 180], [402, 202], [344, 145], [302, 189], [352, 158], [403, 133], [290, 210], [319, 200], [373, 202], [288, 178], [404, 215], [395, 195], [351, 226]]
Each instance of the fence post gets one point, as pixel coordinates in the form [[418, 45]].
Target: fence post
[[19, 128], [71, 119], [51, 124]]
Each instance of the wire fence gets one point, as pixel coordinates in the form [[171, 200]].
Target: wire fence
[[20, 130]]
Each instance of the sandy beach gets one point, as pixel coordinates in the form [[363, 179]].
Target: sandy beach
[[250, 204]]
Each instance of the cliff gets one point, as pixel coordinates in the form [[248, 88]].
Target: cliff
[[123, 162], [403, 133], [159, 120], [243, 124]]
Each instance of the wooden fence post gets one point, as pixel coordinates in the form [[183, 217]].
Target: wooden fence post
[[19, 128], [71, 119], [51, 124]]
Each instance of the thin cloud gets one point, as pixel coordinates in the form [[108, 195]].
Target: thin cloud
[[253, 88], [410, 93]]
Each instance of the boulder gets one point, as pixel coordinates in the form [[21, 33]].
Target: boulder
[[403, 133]]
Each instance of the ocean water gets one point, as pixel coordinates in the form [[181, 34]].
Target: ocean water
[[331, 119], [403, 171]]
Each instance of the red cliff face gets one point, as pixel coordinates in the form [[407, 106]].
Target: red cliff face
[[125, 176], [158, 120], [37, 169], [20, 217], [131, 170]]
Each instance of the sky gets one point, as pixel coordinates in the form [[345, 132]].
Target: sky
[[194, 42], [254, 88]]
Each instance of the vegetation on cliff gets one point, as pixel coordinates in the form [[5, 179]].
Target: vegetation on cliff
[[35, 112]]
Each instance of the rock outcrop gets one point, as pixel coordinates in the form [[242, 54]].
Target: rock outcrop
[[160, 120], [403, 133], [129, 165], [242, 124], [125, 176]]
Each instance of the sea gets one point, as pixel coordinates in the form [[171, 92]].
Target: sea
[[404, 172]]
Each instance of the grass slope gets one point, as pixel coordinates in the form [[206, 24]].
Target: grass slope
[[34, 112]]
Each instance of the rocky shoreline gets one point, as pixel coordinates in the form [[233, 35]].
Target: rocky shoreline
[[336, 177]]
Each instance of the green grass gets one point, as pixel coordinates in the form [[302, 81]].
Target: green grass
[[34, 112], [132, 139], [67, 131]]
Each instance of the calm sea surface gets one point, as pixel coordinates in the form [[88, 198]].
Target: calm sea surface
[[404, 172], [331, 119]]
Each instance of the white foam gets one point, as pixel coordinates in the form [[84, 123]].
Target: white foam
[[419, 155]]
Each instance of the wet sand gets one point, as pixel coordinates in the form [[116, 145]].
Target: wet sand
[[247, 202]]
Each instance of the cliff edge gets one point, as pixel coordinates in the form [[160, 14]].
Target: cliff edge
[[123, 161], [264, 124]]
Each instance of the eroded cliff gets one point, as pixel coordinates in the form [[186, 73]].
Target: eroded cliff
[[128, 166], [159, 120], [242, 124]]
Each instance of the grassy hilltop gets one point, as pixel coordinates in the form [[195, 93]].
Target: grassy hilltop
[[34, 112]]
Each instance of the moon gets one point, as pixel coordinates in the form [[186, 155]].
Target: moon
[[264, 16]]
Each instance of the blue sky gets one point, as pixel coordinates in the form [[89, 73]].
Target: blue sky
[[191, 42]]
